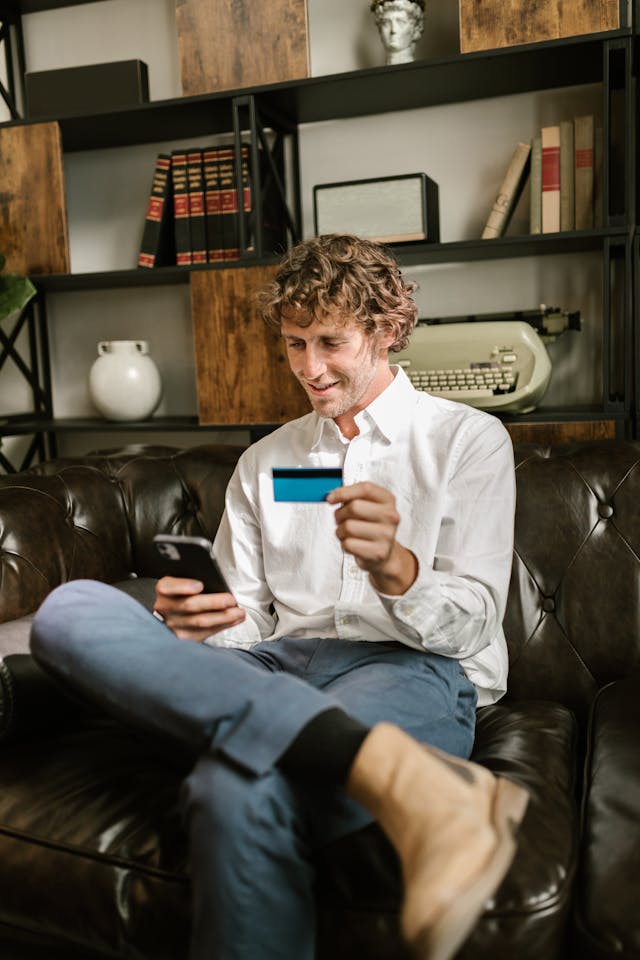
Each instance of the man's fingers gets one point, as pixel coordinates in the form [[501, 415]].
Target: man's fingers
[[364, 530], [359, 491], [180, 587], [199, 625]]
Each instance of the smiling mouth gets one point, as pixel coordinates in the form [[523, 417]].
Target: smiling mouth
[[319, 389]]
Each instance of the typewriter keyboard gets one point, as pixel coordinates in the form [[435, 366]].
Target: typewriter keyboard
[[475, 382]]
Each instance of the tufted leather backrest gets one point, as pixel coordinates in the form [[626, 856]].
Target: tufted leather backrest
[[96, 516], [573, 616]]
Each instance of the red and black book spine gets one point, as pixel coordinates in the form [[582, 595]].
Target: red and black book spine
[[157, 248], [232, 207], [197, 224], [182, 228], [213, 205]]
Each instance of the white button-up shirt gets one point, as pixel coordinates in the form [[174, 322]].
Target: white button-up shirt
[[450, 468]]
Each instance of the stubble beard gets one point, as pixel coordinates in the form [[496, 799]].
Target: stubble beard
[[354, 391]]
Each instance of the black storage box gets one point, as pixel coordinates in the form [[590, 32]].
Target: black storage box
[[397, 209], [86, 89]]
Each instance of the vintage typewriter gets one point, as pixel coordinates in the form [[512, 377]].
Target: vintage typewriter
[[497, 362]]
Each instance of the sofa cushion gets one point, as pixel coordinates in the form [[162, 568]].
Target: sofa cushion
[[608, 890], [91, 845], [359, 884], [14, 634], [92, 848], [30, 701]]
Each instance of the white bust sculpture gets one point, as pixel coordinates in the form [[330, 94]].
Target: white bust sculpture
[[400, 24]]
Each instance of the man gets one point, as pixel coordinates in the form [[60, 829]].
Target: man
[[355, 629]]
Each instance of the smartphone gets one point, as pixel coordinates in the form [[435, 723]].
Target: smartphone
[[190, 557], [304, 484]]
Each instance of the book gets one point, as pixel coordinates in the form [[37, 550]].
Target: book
[[583, 142], [197, 222], [535, 196], [223, 208], [550, 137], [157, 247], [182, 231], [232, 207], [567, 165], [509, 192], [213, 205]]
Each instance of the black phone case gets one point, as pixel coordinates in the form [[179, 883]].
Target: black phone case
[[194, 562]]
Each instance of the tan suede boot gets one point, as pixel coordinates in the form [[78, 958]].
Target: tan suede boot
[[453, 825]]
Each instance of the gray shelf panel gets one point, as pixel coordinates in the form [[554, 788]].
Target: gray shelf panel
[[378, 90], [25, 426], [416, 254], [35, 6], [137, 277]]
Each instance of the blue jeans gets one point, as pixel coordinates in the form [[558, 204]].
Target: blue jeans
[[252, 830]]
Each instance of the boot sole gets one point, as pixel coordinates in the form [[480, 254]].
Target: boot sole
[[442, 939]]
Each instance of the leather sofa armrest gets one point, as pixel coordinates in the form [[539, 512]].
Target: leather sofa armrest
[[608, 889], [32, 703]]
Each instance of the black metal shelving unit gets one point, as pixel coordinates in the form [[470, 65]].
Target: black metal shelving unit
[[607, 59]]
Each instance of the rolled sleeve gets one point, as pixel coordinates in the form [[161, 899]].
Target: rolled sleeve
[[456, 606]]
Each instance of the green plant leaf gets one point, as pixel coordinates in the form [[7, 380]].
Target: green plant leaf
[[15, 293]]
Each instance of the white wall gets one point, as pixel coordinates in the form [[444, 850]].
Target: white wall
[[464, 147]]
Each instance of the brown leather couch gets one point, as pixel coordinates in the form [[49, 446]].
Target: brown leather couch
[[92, 856]]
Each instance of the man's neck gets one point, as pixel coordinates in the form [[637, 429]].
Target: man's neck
[[346, 422]]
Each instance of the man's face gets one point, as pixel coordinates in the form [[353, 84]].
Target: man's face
[[341, 368]]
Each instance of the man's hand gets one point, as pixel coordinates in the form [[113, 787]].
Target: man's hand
[[366, 525], [192, 614]]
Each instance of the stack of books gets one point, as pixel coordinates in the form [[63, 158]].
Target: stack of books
[[194, 209], [563, 164]]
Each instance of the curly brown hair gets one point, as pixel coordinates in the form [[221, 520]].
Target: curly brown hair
[[339, 274]]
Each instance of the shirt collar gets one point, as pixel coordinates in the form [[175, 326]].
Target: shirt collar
[[388, 412]]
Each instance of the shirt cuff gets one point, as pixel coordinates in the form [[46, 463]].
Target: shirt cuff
[[243, 635]]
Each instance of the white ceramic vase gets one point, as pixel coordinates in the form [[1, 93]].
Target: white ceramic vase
[[124, 382]]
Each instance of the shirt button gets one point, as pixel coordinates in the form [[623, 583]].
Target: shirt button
[[408, 609], [347, 620]]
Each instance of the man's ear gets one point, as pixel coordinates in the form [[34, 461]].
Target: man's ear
[[386, 339]]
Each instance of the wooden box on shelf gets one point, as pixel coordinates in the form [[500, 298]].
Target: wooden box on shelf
[[505, 23], [33, 213], [226, 46], [242, 371]]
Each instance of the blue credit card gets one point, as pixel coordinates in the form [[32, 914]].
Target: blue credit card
[[305, 484]]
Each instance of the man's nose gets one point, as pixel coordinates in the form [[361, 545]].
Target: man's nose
[[314, 364]]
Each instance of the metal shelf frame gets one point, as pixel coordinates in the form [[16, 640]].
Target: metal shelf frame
[[607, 59], [33, 363], [12, 41]]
